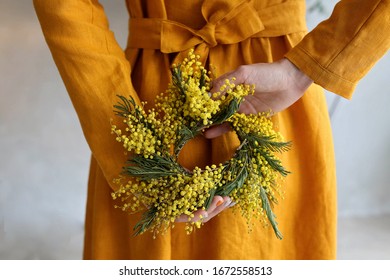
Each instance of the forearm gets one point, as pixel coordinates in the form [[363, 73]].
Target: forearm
[[342, 49], [93, 67]]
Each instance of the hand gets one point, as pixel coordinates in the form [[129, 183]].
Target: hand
[[218, 204], [277, 86]]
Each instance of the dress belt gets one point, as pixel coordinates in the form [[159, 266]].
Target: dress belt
[[227, 25]]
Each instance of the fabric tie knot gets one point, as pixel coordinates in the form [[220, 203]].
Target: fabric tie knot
[[207, 33], [225, 22], [228, 24]]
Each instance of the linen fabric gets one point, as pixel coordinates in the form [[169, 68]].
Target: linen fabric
[[227, 34]]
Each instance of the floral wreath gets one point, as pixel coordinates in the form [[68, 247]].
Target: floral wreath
[[158, 185]]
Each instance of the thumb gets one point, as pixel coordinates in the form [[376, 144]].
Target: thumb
[[217, 130]]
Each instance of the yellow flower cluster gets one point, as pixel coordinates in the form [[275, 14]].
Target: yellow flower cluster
[[230, 90], [196, 84], [247, 199], [170, 197], [141, 137], [188, 100], [247, 196], [255, 124], [165, 190]]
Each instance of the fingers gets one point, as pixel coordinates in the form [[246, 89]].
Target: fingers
[[220, 81], [221, 129], [218, 204], [217, 130], [254, 105], [201, 214], [217, 208], [198, 215]]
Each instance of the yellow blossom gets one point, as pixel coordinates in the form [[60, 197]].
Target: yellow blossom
[[162, 188]]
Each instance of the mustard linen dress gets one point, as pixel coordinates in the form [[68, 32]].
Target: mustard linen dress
[[227, 34]]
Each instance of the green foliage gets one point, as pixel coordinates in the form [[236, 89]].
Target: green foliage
[[162, 184]]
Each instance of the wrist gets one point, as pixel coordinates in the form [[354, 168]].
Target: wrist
[[299, 79]]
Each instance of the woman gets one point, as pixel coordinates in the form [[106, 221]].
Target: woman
[[269, 38]]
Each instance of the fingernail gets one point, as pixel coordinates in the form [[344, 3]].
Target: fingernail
[[232, 204], [227, 202], [219, 202]]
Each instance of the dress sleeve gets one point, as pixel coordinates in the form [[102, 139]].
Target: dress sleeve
[[341, 50], [93, 68]]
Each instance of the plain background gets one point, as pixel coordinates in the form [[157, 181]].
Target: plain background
[[45, 160]]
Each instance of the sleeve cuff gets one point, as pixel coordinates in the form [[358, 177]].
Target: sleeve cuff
[[319, 74]]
